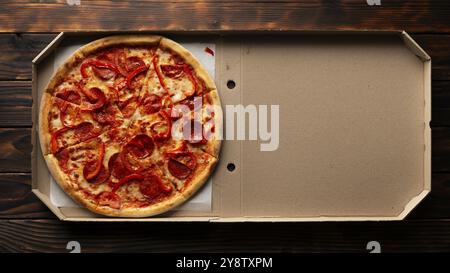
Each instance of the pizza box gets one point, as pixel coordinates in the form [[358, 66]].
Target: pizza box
[[350, 141]]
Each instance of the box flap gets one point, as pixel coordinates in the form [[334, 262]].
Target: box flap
[[351, 126]]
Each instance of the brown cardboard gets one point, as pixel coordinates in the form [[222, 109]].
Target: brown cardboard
[[355, 138]]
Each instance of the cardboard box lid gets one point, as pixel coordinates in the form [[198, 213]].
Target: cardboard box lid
[[354, 126], [354, 138]]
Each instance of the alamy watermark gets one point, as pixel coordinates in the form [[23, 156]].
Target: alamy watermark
[[74, 246], [373, 2], [250, 122]]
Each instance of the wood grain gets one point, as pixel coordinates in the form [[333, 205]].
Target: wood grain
[[435, 205], [17, 200], [15, 150], [53, 16], [438, 47], [17, 51], [15, 104], [53, 235]]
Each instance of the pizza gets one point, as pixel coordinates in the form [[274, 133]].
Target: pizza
[[129, 125]]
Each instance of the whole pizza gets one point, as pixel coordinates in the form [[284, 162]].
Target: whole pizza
[[129, 125]]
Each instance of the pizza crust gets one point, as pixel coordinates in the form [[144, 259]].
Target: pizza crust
[[190, 59], [43, 128], [63, 180], [151, 210]]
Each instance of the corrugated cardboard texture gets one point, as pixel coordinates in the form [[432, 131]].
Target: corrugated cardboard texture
[[354, 132]]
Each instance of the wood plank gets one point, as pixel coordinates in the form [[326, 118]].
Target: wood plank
[[17, 200], [438, 47], [15, 104], [440, 103], [17, 52], [53, 236], [53, 16], [15, 150]]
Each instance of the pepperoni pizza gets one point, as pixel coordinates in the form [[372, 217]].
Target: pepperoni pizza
[[113, 122]]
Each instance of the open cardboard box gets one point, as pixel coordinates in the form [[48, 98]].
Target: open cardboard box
[[354, 134]]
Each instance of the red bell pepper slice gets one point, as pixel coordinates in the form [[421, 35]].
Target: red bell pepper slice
[[134, 73], [127, 179], [92, 168], [163, 135], [158, 73], [96, 99]]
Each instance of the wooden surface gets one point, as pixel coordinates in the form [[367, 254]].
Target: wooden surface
[[27, 26]]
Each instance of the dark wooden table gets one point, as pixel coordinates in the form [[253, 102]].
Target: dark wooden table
[[27, 26]]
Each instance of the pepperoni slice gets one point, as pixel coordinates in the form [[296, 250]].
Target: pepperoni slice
[[141, 146], [116, 167], [136, 83], [153, 187], [106, 116], [181, 163], [151, 104], [178, 169], [95, 99], [84, 131], [92, 168], [133, 62], [131, 76], [109, 199], [128, 107], [70, 95], [112, 162], [102, 176], [63, 158], [172, 71], [104, 73]]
